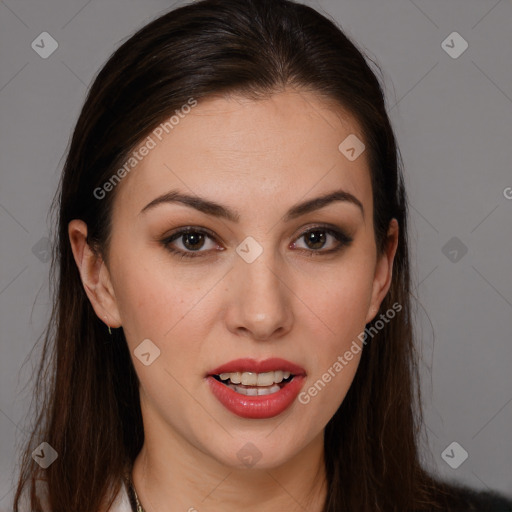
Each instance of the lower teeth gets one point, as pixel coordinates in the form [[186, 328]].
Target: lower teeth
[[255, 391]]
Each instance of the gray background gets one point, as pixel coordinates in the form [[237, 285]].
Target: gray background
[[453, 120]]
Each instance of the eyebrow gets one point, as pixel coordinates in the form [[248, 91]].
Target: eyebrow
[[212, 208]]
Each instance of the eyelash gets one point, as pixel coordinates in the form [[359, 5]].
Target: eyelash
[[343, 239]]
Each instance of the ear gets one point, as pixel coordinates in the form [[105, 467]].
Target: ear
[[384, 270], [94, 274]]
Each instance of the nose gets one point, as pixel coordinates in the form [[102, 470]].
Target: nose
[[260, 302]]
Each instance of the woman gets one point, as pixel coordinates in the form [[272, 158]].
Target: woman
[[232, 322]]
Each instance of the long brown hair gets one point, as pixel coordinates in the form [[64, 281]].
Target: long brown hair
[[87, 389]]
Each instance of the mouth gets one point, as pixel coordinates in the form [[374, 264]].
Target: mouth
[[256, 389], [255, 384]]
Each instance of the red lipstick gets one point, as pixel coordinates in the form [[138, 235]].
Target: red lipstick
[[259, 406], [251, 365]]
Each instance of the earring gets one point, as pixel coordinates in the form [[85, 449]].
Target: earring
[[109, 331]]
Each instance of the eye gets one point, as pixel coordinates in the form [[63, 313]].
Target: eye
[[190, 242], [317, 237]]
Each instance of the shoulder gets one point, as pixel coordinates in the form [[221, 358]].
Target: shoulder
[[465, 499], [488, 501]]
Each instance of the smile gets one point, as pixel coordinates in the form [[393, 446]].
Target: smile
[[255, 384], [257, 390]]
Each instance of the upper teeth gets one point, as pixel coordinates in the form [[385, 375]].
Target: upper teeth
[[255, 379]]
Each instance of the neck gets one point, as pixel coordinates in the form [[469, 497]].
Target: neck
[[191, 481]]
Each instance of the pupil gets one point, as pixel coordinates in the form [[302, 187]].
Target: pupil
[[317, 238], [193, 239]]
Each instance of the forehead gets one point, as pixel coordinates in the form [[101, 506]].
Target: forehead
[[274, 151]]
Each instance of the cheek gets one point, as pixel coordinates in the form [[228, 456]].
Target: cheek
[[154, 295], [341, 303], [337, 353], [341, 299], [326, 388], [167, 312]]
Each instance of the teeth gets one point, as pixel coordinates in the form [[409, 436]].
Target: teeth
[[265, 379], [249, 391], [236, 378], [249, 379], [255, 391], [255, 379]]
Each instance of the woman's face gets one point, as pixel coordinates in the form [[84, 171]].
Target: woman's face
[[279, 276]]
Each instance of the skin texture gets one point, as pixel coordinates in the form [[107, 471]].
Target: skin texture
[[259, 158]]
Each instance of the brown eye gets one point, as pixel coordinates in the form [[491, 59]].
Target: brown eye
[[193, 241], [318, 237], [315, 239], [189, 242]]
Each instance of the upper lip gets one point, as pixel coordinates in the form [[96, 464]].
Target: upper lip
[[251, 365]]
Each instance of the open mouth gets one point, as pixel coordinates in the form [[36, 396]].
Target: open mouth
[[256, 389], [255, 384]]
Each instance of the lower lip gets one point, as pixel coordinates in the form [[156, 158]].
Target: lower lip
[[256, 407]]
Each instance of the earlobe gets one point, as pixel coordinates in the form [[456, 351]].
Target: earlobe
[[384, 270], [94, 274]]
